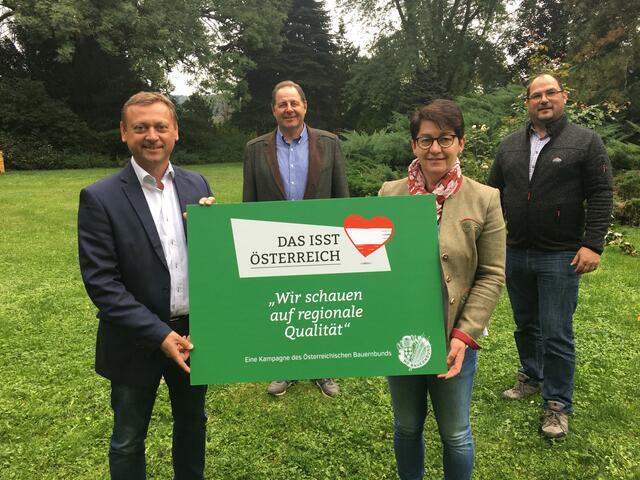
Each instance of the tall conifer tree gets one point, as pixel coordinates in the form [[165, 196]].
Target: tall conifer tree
[[308, 57]]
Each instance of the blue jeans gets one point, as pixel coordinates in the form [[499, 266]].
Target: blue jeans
[[543, 290], [132, 406], [450, 400]]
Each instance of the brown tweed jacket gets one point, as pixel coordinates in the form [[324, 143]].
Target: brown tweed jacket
[[472, 253], [262, 179]]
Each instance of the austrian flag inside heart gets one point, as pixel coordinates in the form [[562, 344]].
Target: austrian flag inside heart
[[368, 235]]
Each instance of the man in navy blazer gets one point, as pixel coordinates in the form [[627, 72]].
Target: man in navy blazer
[[132, 251]]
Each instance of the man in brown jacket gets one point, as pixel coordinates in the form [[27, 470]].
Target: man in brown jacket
[[294, 162]]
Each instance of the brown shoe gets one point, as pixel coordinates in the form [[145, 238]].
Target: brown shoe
[[523, 388], [555, 422]]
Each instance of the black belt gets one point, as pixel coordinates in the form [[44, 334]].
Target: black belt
[[177, 319]]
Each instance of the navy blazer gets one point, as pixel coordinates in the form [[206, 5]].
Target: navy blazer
[[125, 273]]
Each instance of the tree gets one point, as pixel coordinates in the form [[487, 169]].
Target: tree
[[539, 37], [604, 51], [196, 124], [93, 54], [29, 114], [443, 38], [346, 58], [372, 92], [308, 57], [438, 48]]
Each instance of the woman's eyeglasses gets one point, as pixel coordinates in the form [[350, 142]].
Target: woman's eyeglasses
[[445, 141]]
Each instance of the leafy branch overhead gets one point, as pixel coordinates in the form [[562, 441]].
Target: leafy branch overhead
[[67, 65], [150, 37]]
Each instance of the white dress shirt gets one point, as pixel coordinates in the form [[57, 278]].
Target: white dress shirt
[[165, 210]]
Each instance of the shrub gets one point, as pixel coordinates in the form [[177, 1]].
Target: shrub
[[87, 160], [182, 157], [27, 154], [204, 141], [390, 146], [108, 142], [628, 212], [366, 176], [623, 155], [225, 143], [29, 113], [31, 154], [492, 108], [628, 185], [478, 154], [229, 144]]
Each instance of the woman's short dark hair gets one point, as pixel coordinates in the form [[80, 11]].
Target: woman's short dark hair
[[444, 113]]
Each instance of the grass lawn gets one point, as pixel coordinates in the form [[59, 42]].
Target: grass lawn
[[55, 418]]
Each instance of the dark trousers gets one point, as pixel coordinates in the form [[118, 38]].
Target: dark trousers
[[132, 407]]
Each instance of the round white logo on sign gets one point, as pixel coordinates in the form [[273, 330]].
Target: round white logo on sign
[[414, 351]]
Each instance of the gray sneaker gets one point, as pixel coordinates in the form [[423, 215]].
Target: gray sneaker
[[279, 387], [328, 386], [554, 422], [523, 388]]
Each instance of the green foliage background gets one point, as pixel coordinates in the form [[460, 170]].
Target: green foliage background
[[55, 418], [67, 66], [489, 118]]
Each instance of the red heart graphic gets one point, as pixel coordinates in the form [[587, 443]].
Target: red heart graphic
[[368, 235]]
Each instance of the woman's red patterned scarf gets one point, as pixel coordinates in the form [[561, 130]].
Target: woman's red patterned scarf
[[446, 186]]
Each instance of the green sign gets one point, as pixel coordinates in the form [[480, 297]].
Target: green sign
[[315, 289]]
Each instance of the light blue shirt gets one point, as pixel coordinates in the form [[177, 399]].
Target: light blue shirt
[[293, 162], [536, 143]]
